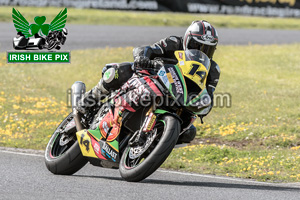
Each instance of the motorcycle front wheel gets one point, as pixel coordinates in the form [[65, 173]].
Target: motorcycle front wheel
[[139, 162], [63, 155]]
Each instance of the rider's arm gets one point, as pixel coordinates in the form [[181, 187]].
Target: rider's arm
[[212, 79], [163, 48], [211, 84]]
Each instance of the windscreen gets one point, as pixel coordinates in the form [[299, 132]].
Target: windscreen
[[196, 55]]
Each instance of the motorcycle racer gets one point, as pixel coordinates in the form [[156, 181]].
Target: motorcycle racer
[[200, 35]]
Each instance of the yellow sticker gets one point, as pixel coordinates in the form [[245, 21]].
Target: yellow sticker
[[170, 77], [151, 123], [85, 144]]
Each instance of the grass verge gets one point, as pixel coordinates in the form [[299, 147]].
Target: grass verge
[[257, 137], [95, 16]]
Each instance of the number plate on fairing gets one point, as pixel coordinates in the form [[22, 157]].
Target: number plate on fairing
[[101, 149]]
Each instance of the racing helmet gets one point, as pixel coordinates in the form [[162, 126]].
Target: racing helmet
[[201, 35]]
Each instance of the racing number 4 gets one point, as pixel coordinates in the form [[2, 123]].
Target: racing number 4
[[85, 142]]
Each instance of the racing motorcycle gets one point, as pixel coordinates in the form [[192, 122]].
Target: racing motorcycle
[[121, 133]]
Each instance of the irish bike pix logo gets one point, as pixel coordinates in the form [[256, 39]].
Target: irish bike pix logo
[[39, 42]]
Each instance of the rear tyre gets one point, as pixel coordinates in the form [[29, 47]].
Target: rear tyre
[[165, 133], [63, 155]]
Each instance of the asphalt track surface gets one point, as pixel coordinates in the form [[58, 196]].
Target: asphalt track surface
[[100, 36], [24, 176]]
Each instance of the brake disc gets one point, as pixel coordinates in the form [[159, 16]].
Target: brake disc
[[137, 151]]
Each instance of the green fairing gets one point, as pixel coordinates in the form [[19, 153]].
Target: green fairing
[[115, 144], [170, 90], [198, 97], [96, 133], [160, 111], [162, 121]]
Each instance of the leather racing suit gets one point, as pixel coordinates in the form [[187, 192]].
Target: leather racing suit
[[165, 48]]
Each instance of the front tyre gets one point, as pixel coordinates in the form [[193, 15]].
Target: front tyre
[[63, 155], [137, 164]]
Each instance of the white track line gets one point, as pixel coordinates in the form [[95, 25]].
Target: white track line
[[20, 153], [213, 177]]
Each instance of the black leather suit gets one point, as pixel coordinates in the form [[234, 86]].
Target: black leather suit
[[166, 47]]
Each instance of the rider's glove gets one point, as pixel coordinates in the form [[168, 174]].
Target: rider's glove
[[143, 62]]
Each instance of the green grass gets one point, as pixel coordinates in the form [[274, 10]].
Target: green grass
[[260, 130], [276, 165], [94, 16]]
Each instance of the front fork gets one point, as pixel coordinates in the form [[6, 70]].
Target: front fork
[[140, 136]]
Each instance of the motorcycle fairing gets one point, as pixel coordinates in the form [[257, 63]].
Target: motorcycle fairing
[[104, 140], [172, 78], [101, 149], [88, 145], [195, 65], [135, 91]]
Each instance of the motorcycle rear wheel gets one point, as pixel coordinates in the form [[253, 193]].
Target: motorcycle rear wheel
[[62, 156], [137, 169]]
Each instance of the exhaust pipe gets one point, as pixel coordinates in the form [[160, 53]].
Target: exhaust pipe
[[77, 91]]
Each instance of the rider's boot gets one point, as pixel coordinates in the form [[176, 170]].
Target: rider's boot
[[91, 97]]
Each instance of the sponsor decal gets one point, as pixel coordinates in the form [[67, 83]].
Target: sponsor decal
[[105, 127], [209, 38], [166, 81], [150, 123], [162, 72], [163, 76], [107, 74], [96, 147], [137, 90], [116, 74], [177, 82], [108, 150], [180, 55], [170, 77]]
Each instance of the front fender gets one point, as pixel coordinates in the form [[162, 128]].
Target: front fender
[[161, 112]]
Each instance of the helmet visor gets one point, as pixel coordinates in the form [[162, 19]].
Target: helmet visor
[[207, 49]]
